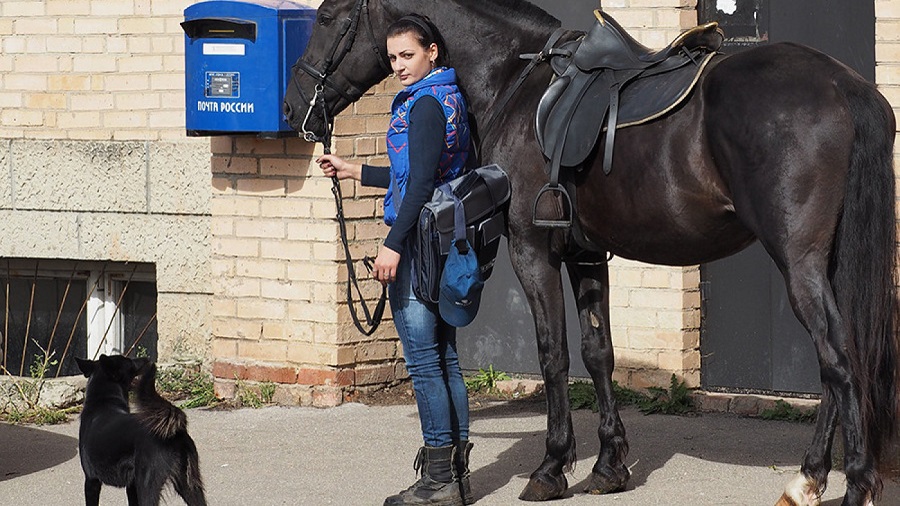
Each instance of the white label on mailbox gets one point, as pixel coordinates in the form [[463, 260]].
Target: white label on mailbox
[[229, 107], [224, 49]]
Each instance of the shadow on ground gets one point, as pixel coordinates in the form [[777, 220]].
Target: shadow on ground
[[653, 441], [26, 450]]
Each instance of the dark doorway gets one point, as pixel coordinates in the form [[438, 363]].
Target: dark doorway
[[750, 338]]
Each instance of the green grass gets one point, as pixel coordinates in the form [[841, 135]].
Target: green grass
[[194, 387], [247, 396], [672, 401], [485, 380], [22, 402], [785, 412]]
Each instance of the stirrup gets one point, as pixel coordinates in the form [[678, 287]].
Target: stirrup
[[563, 223]]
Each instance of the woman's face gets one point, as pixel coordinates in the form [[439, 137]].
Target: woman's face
[[409, 60]]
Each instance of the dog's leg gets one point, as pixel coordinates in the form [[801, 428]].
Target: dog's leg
[[131, 490], [92, 492], [149, 488]]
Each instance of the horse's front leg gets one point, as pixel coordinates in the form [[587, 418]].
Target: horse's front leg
[[542, 284], [590, 283]]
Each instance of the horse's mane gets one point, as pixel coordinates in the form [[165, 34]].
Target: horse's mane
[[513, 9]]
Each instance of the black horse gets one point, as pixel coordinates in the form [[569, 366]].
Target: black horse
[[780, 144]]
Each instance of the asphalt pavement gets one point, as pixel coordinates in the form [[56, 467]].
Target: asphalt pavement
[[357, 455]]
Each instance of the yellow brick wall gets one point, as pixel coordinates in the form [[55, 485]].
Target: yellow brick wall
[[92, 69], [887, 50], [654, 310], [280, 311]]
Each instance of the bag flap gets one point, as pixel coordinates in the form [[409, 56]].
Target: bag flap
[[482, 191]]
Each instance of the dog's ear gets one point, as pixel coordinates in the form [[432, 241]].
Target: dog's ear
[[87, 366], [140, 364]]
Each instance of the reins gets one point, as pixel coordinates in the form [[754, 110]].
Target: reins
[[348, 30]]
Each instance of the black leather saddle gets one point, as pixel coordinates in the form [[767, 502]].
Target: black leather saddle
[[607, 80]]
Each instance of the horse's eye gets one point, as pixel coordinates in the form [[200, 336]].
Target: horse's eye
[[325, 19]]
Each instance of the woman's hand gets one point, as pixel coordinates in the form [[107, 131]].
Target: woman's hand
[[386, 265], [335, 166]]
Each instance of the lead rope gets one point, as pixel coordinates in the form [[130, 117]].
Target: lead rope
[[373, 318], [349, 30]]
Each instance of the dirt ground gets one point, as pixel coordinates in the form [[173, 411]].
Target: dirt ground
[[403, 394]]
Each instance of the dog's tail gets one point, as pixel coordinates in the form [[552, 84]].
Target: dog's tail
[[162, 418]]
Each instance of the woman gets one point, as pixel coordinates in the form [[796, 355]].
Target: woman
[[428, 145]]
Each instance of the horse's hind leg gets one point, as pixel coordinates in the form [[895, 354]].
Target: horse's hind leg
[[542, 284], [591, 287], [814, 303], [813, 477]]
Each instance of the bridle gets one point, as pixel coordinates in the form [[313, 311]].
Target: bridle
[[347, 35]]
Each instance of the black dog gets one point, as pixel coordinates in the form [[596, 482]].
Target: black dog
[[140, 451]]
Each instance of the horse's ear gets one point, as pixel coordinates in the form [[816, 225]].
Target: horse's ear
[[87, 366]]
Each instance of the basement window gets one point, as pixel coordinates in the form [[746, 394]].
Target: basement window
[[74, 309]]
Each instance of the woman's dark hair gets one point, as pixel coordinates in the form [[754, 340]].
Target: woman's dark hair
[[425, 32]]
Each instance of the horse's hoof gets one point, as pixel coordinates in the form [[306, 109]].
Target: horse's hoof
[[800, 491], [607, 483], [544, 487]]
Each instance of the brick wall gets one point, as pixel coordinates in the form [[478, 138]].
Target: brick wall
[[92, 69], [887, 50], [259, 246], [280, 311]]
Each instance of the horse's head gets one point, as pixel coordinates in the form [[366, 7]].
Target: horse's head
[[345, 56]]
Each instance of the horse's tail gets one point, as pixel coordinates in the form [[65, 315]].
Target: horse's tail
[[161, 417], [864, 262]]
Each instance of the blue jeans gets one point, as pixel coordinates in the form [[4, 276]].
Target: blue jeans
[[429, 347]]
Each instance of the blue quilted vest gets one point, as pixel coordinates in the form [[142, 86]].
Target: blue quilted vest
[[440, 83]]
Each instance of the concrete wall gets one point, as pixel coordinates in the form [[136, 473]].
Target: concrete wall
[[94, 163]]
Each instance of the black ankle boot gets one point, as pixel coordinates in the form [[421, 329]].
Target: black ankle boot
[[461, 465], [438, 485]]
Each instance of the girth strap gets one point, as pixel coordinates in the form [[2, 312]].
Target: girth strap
[[612, 116], [615, 80]]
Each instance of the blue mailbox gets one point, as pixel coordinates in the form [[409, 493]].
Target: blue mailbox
[[238, 57]]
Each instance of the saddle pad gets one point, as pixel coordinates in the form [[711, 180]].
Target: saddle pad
[[571, 113], [651, 97]]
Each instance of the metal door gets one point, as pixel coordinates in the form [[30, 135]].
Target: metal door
[[750, 338]]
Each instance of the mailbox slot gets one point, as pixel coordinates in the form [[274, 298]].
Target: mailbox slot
[[238, 57]]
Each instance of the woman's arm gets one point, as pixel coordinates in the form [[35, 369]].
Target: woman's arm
[[368, 175], [377, 176]]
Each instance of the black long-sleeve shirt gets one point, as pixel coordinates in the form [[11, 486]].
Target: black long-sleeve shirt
[[427, 128]]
